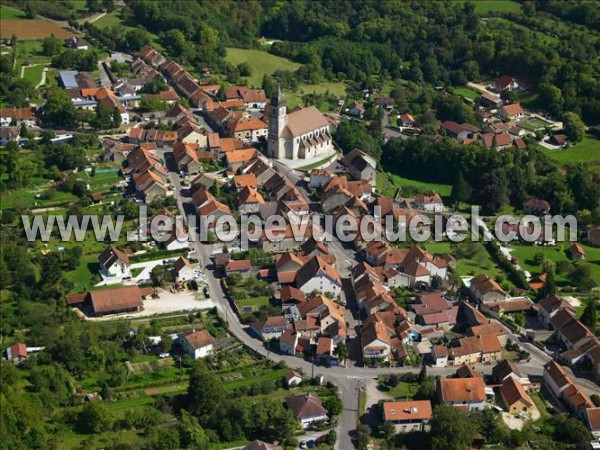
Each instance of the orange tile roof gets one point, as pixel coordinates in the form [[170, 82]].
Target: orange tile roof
[[407, 410]]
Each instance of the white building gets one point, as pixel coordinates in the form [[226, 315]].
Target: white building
[[318, 276], [114, 263], [302, 134], [197, 344], [183, 270]]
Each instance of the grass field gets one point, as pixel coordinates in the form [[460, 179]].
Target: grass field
[[526, 254], [110, 19], [261, 63], [533, 124], [8, 13], [587, 151], [337, 89], [404, 390], [34, 73], [465, 92], [486, 6], [388, 183]]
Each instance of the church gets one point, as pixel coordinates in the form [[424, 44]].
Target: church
[[302, 134]]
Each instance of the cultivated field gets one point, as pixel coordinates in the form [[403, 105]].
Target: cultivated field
[[32, 29]]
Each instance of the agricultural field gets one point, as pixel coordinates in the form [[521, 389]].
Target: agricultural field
[[31, 29], [261, 63], [388, 184]]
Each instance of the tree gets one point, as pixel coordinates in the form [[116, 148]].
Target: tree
[[148, 104], [488, 423], [436, 282], [244, 69], [95, 417], [333, 405], [59, 109], [51, 46], [205, 393], [519, 318], [116, 118], [341, 351], [451, 429], [93, 6], [549, 287], [550, 98], [30, 10], [590, 315], [573, 126], [103, 118], [192, 435], [461, 191], [539, 258]]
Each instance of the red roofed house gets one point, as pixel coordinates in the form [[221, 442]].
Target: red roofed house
[[514, 397], [462, 392], [16, 352], [270, 328], [506, 83], [407, 416], [577, 251], [197, 344], [556, 378], [318, 276], [511, 111]]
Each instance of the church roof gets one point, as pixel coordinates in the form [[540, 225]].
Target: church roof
[[305, 120]]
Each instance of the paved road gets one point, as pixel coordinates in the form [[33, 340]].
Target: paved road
[[348, 380]]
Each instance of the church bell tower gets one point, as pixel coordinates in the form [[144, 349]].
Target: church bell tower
[[277, 123]]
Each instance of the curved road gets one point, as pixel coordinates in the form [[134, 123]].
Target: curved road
[[350, 381]]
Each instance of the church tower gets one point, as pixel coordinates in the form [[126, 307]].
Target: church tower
[[277, 123]]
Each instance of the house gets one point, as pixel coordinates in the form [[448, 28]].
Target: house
[[237, 158], [536, 206], [471, 350], [261, 445], [288, 341], [316, 275], [489, 99], [360, 166], [116, 300], [572, 334], [114, 263], [576, 251], [406, 120], [356, 109], [467, 393], [592, 421], [287, 265], [77, 43], [485, 289], [17, 116], [556, 378], [593, 237], [247, 129], [466, 371], [511, 111], [238, 265], [434, 309], [269, 328], [506, 83], [577, 400], [292, 378], [375, 341], [505, 369], [183, 270], [549, 306], [407, 416], [320, 177], [197, 344], [187, 157], [8, 134], [248, 200], [324, 350], [456, 131], [251, 98], [17, 352], [514, 397], [301, 134], [431, 202], [490, 328], [384, 102], [307, 409], [439, 355]]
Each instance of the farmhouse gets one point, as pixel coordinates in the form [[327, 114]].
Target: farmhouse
[[197, 344]]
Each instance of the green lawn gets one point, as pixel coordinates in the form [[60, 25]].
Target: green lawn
[[486, 6], [526, 253], [534, 124], [110, 19], [34, 73], [7, 13], [255, 302], [587, 151], [403, 390], [388, 184], [465, 92], [261, 63], [337, 89]]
